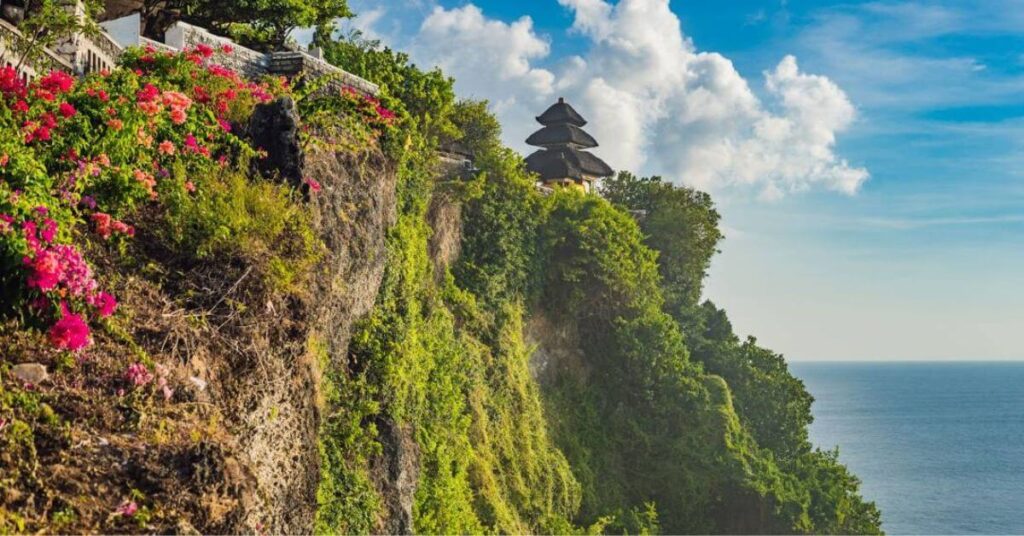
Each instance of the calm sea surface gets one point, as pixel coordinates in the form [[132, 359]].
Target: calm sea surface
[[939, 446]]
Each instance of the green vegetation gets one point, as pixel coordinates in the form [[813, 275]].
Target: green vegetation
[[668, 423], [262, 24], [649, 416]]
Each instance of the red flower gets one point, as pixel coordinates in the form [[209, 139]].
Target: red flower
[[70, 332], [46, 270], [11, 83], [57, 82], [178, 116], [102, 221], [204, 50], [67, 110], [149, 93]]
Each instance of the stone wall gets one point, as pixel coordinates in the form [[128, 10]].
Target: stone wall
[[253, 64], [247, 62], [83, 55]]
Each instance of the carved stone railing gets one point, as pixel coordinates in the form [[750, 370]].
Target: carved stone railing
[[253, 64], [92, 54], [82, 55], [36, 65]]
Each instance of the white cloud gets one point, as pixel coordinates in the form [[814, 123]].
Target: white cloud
[[490, 60], [657, 104]]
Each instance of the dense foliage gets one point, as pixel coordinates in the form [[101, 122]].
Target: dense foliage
[[653, 441], [773, 405], [261, 24], [649, 414]]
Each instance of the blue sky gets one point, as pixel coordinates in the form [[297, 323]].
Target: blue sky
[[898, 233]]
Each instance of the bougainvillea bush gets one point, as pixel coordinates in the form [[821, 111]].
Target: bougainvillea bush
[[79, 158]]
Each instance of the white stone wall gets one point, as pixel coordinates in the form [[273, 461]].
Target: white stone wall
[[245, 61]]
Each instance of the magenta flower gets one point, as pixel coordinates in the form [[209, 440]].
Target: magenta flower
[[104, 303], [70, 332], [127, 509]]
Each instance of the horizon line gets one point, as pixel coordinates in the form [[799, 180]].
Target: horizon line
[[911, 360]]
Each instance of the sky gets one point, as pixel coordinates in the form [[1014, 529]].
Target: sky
[[866, 156]]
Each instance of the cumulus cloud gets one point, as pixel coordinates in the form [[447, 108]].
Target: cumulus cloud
[[657, 103]]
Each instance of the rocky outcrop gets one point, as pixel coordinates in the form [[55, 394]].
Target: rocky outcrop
[[352, 214], [556, 347], [274, 128], [445, 219]]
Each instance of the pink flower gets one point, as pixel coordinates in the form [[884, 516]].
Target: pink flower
[[166, 147], [123, 228], [161, 382], [224, 125], [176, 99], [49, 230], [226, 48], [189, 187], [138, 375], [178, 116], [70, 332], [204, 50], [4, 159], [104, 303], [313, 185], [127, 509]]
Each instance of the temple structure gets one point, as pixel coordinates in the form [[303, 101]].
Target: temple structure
[[563, 159]]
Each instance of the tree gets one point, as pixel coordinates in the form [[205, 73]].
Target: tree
[[260, 24], [47, 23], [680, 223]]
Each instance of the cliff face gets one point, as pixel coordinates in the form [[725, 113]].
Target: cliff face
[[236, 447], [322, 328]]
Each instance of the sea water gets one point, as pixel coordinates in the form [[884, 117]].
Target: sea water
[[938, 446]]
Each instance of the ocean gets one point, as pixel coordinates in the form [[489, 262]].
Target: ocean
[[938, 446]]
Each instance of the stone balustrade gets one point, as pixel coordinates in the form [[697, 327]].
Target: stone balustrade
[[33, 66], [81, 54]]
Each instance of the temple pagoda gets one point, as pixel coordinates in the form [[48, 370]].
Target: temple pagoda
[[563, 159]]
